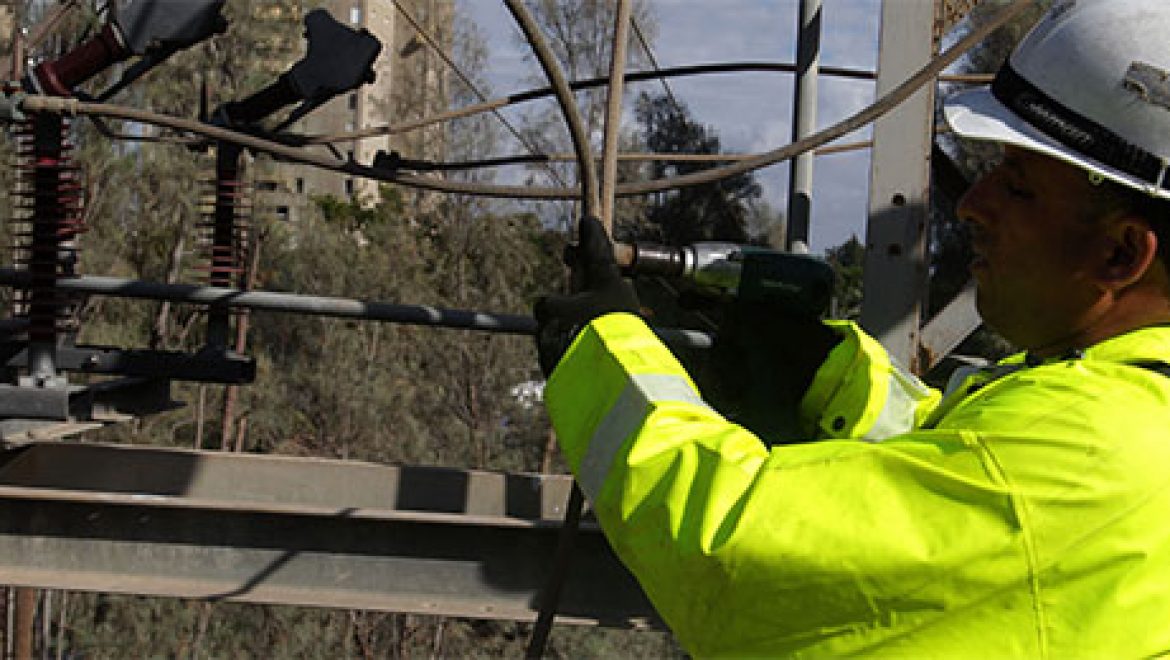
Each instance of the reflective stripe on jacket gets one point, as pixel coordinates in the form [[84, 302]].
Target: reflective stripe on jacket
[[1025, 516]]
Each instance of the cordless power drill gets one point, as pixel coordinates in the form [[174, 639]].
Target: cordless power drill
[[769, 339], [746, 274]]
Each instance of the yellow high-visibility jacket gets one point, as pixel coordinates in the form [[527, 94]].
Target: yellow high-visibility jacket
[[1027, 514]]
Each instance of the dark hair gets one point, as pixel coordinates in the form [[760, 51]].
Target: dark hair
[[1156, 210]]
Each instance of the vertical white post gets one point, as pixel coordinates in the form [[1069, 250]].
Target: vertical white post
[[804, 123]]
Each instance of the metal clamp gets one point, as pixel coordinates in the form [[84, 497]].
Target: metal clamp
[[11, 102]]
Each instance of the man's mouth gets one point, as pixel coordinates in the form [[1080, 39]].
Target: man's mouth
[[979, 243]]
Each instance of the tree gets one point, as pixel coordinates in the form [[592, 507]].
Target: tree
[[715, 211], [847, 260], [580, 34]]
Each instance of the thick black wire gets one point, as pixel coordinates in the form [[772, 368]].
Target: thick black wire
[[589, 83]]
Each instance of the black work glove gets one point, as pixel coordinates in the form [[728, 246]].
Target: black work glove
[[764, 360], [601, 290]]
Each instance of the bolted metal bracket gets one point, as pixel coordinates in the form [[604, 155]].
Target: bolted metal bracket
[[11, 101]]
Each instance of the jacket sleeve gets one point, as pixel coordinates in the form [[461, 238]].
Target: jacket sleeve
[[745, 550], [861, 393]]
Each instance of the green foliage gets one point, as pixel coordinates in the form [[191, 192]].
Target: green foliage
[[398, 393], [105, 626], [848, 262], [353, 216], [716, 211]]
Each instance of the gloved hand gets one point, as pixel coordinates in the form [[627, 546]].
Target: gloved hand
[[602, 291]]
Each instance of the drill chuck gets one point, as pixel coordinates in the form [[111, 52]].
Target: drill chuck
[[746, 273]]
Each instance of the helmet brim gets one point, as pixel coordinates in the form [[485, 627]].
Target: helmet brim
[[977, 115]]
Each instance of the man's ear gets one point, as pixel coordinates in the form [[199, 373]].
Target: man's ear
[[1131, 248]]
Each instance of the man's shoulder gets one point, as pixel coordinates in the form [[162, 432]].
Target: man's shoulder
[[1146, 345], [1121, 383]]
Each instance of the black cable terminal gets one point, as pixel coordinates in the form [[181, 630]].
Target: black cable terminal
[[338, 59]]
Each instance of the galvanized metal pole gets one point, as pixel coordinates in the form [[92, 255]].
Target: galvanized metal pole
[[294, 303], [804, 121], [895, 262]]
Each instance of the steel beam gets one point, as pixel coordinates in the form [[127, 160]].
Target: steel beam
[[895, 263], [299, 531], [205, 366], [950, 327]]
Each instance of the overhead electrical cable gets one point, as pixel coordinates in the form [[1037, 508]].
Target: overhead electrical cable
[[454, 66], [613, 112], [654, 63], [883, 105], [550, 595]]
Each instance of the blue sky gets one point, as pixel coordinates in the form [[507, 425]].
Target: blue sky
[[751, 112]]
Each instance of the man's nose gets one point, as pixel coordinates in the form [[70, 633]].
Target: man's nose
[[972, 206]]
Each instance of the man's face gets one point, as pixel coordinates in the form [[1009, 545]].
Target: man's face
[[1033, 238]]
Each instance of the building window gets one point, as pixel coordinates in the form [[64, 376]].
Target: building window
[[355, 14], [353, 101], [300, 184], [349, 187], [282, 213]]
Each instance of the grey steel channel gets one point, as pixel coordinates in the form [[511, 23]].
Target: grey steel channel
[[272, 529]]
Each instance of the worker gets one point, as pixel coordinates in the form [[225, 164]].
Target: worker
[[1024, 514]]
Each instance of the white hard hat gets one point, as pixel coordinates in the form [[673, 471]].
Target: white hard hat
[[1090, 85]]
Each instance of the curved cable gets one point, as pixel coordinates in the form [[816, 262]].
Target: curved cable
[[564, 95], [550, 596], [848, 125], [578, 85]]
